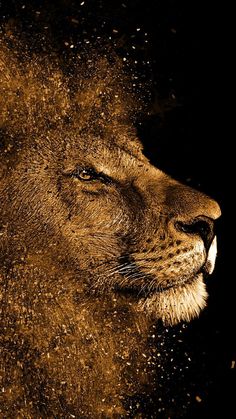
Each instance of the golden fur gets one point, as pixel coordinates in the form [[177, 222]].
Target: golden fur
[[89, 259]]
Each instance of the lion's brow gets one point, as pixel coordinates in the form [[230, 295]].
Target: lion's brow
[[121, 152]]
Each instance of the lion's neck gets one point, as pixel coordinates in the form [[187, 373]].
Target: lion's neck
[[88, 354]]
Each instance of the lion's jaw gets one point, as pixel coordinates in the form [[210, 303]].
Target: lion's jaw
[[177, 304], [184, 301], [166, 292]]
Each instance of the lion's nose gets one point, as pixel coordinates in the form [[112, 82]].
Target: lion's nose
[[201, 226], [193, 212]]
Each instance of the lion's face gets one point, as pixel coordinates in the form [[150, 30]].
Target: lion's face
[[116, 220], [80, 195]]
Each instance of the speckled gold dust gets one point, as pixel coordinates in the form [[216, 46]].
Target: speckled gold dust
[[67, 355], [58, 360], [36, 96]]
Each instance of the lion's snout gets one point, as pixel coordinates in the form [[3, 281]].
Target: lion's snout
[[194, 214]]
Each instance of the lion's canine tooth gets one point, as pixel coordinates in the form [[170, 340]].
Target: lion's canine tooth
[[211, 257]]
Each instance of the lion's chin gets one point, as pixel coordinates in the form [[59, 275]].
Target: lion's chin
[[182, 303]]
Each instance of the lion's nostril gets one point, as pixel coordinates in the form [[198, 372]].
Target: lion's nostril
[[202, 226]]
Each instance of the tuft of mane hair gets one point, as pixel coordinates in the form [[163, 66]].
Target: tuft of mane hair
[[39, 93]]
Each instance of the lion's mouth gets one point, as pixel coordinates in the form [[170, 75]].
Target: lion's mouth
[[206, 269], [139, 292]]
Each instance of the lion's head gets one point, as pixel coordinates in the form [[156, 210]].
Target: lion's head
[[83, 212], [81, 193]]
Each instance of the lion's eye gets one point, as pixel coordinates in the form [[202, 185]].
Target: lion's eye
[[86, 174], [89, 174]]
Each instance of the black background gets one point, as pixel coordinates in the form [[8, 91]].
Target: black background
[[185, 135]]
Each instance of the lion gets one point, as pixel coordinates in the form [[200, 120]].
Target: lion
[[97, 244]]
